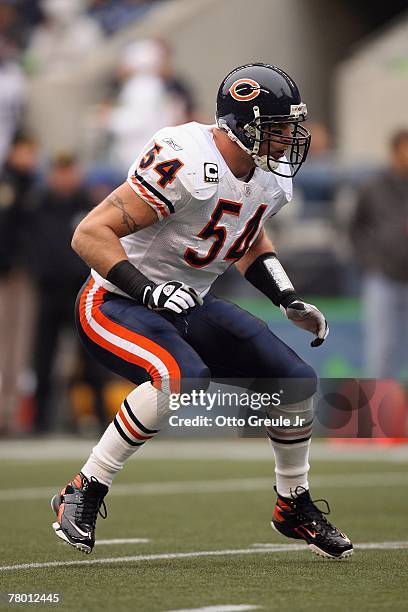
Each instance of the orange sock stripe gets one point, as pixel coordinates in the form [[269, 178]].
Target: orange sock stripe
[[129, 427], [277, 433]]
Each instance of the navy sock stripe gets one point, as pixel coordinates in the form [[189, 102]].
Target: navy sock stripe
[[136, 420], [124, 436], [280, 441]]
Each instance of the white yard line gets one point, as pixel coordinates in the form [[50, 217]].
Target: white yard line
[[122, 541], [383, 545], [273, 548], [393, 545], [153, 557], [220, 608], [385, 479], [63, 448]]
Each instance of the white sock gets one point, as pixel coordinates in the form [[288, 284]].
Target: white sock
[[291, 446], [137, 421], [291, 467]]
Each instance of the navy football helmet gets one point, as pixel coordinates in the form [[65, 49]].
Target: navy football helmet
[[252, 102]]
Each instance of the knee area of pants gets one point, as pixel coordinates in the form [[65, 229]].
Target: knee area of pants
[[301, 384], [195, 378]]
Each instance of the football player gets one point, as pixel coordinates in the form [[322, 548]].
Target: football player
[[194, 203]]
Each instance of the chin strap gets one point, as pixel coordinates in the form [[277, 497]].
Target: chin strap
[[261, 161]]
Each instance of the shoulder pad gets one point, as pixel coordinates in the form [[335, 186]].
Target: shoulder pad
[[283, 184], [286, 185], [191, 145]]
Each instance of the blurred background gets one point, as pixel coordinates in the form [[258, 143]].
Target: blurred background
[[85, 83]]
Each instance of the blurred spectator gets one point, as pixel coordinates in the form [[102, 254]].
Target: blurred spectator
[[31, 11], [64, 39], [307, 233], [113, 15], [17, 17], [12, 95], [54, 211], [101, 181], [17, 177], [11, 27], [317, 179], [176, 86], [379, 233], [151, 96]]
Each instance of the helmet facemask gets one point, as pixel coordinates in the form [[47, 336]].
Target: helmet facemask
[[262, 129]]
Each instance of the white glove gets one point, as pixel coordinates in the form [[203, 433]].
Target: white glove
[[174, 297], [308, 317]]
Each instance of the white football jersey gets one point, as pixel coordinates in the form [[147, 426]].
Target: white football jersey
[[207, 218]]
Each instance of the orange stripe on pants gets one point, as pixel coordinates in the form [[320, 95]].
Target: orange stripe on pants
[[125, 334]]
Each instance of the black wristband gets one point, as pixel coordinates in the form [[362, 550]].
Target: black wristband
[[267, 274], [128, 278]]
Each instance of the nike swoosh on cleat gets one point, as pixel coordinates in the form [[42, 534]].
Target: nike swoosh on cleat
[[311, 533], [86, 534], [343, 535]]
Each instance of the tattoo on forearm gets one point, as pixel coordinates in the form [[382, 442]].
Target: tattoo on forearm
[[127, 219]]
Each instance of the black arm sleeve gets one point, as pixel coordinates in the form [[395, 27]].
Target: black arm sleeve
[[128, 278], [267, 274]]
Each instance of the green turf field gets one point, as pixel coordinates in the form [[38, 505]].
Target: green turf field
[[214, 506]]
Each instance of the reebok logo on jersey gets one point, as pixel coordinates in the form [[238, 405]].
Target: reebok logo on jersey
[[173, 144], [210, 172]]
